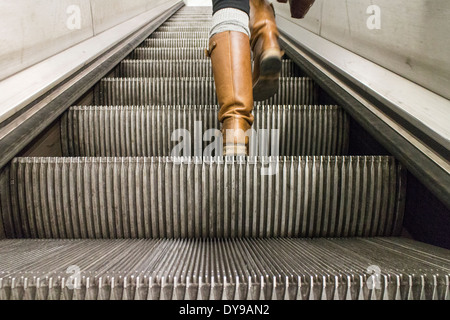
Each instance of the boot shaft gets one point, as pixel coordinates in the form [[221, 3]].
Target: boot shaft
[[231, 64]]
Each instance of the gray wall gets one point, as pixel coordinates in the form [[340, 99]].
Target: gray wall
[[33, 30], [414, 39]]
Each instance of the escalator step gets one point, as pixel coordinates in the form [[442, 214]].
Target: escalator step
[[193, 15], [183, 29], [116, 198], [186, 68], [191, 91], [175, 43], [187, 24], [168, 54], [194, 19], [190, 20], [147, 131], [180, 35], [244, 269]]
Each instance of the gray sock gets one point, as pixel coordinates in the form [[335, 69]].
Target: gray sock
[[230, 19]]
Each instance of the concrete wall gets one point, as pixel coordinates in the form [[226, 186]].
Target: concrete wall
[[413, 40], [33, 30], [109, 13]]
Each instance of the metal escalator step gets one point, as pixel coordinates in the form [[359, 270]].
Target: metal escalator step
[[191, 20], [193, 14], [147, 131], [188, 23], [180, 35], [185, 24], [194, 9], [186, 68], [175, 43], [109, 198], [207, 14], [183, 29], [191, 91], [223, 269], [168, 54], [192, 17]]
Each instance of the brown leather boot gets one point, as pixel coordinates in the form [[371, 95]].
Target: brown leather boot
[[231, 64], [266, 50]]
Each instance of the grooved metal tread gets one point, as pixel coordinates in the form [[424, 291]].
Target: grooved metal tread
[[223, 269], [168, 54], [185, 68], [192, 91], [175, 43], [183, 29], [186, 24], [191, 17], [148, 130], [180, 35], [100, 198]]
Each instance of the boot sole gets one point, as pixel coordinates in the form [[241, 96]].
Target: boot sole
[[267, 84]]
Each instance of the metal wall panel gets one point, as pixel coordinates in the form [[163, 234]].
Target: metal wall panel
[[413, 39], [109, 13], [32, 32]]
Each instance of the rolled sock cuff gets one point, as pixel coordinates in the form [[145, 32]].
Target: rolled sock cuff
[[230, 19]]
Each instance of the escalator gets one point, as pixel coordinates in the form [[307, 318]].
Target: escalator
[[120, 217]]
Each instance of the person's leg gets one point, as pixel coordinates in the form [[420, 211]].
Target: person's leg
[[266, 50], [229, 49]]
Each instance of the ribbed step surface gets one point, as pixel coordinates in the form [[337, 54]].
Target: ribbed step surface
[[191, 17], [271, 269], [185, 24], [168, 54], [175, 43], [183, 29], [191, 91], [186, 68], [180, 35], [99, 198], [195, 10], [147, 131]]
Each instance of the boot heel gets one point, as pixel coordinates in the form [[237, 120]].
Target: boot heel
[[269, 73], [270, 62]]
